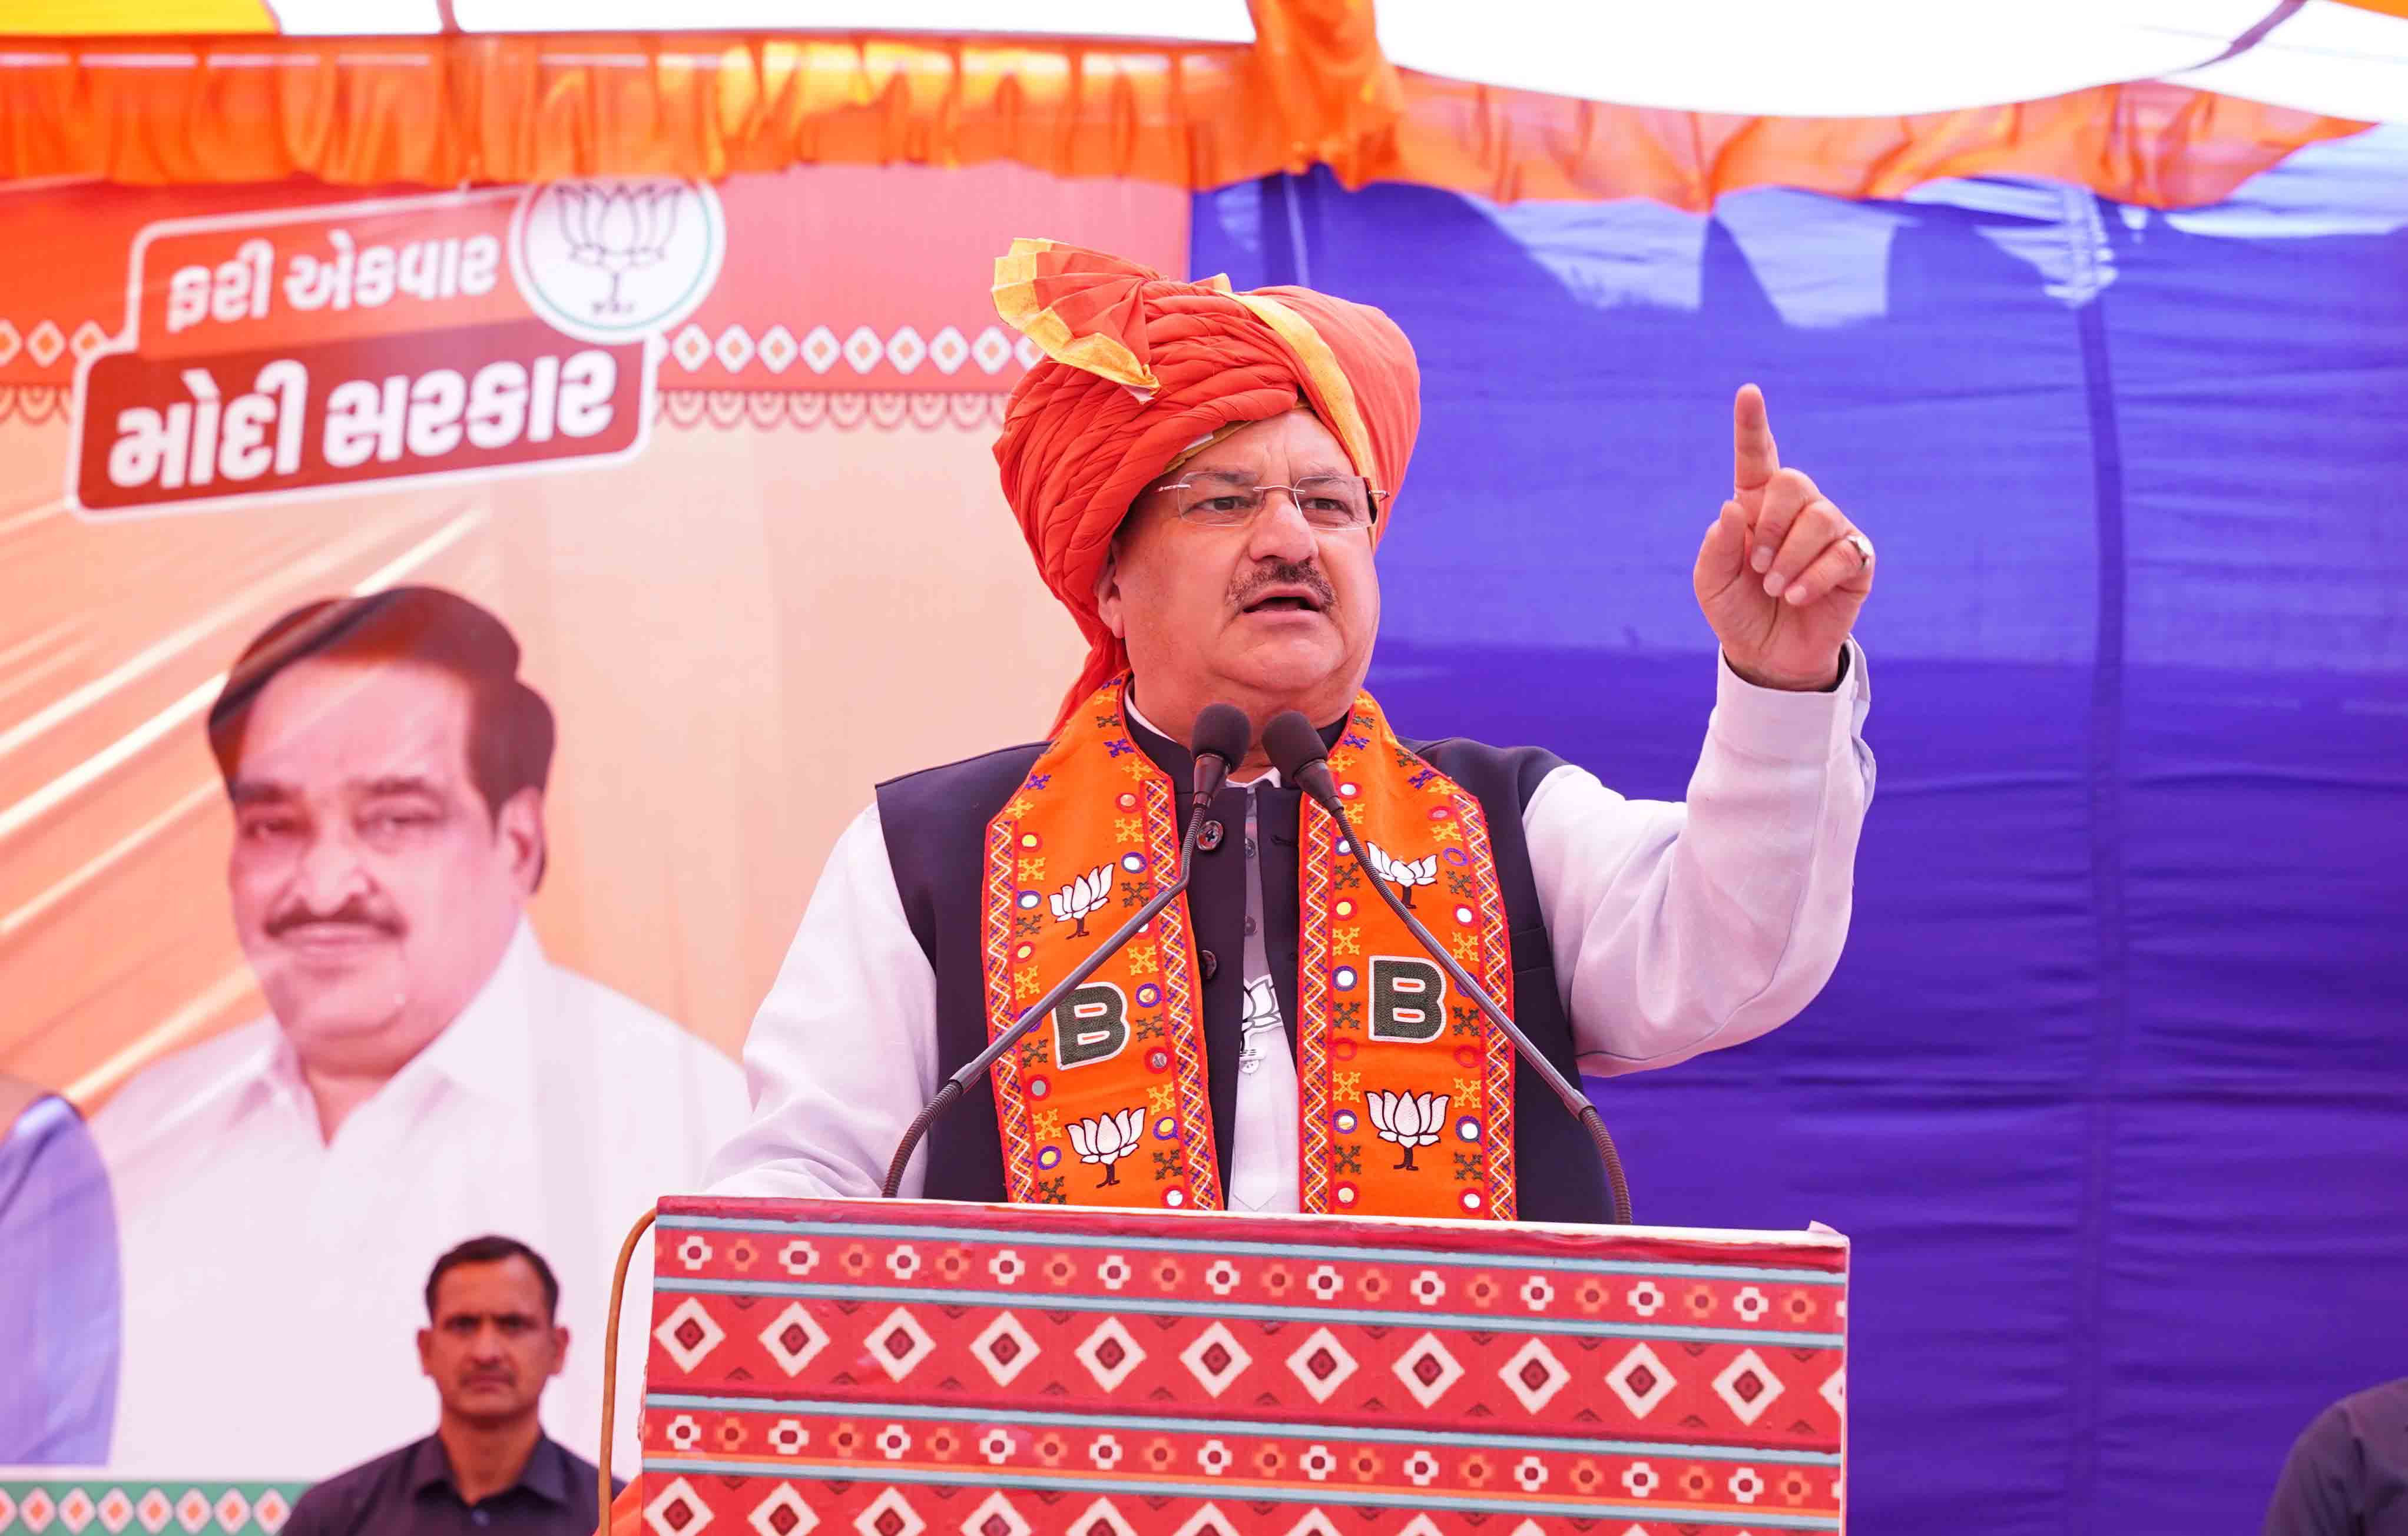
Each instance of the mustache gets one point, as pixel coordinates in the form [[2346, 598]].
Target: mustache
[[352, 913], [1284, 573]]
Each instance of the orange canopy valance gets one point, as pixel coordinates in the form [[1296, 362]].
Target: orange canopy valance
[[445, 110]]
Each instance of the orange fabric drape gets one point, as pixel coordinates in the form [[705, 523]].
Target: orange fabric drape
[[2146, 142], [445, 110]]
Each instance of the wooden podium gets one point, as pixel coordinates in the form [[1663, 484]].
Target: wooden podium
[[899, 1366]]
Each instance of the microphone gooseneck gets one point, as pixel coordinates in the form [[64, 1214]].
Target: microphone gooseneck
[[1295, 749], [1218, 745]]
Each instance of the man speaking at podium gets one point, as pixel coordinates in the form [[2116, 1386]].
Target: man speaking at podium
[[1204, 477]]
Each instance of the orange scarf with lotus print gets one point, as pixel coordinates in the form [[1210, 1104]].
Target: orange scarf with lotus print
[[1406, 1094]]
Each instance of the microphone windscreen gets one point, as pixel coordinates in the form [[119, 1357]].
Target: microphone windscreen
[[1293, 745], [1223, 731]]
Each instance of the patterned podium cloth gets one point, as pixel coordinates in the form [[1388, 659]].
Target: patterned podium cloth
[[901, 1367]]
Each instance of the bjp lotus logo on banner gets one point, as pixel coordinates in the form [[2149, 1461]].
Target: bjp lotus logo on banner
[[608, 260], [306, 351]]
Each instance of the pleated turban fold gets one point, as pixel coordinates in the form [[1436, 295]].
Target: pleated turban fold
[[1140, 369]]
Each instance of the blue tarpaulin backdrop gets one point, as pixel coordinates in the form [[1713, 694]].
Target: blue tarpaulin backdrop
[[2111, 1087]]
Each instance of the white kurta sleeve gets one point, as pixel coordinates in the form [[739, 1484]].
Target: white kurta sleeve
[[1679, 928], [843, 1052]]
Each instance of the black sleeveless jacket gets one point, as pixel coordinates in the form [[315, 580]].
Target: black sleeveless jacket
[[936, 821]]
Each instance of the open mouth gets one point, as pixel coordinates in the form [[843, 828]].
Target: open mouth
[[1285, 603]]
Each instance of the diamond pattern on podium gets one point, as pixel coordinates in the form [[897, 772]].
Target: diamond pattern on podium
[[782, 1513], [899, 1344], [1640, 1381], [1835, 1390], [1215, 1358], [1533, 1375], [677, 1510], [117, 1509], [890, 1515], [1005, 1348], [271, 1512], [1208, 1521], [793, 1337], [1101, 1520], [76, 1510], [1427, 1370], [996, 1517], [689, 1334], [1109, 1355], [1421, 1525], [1314, 1524], [154, 1512], [1322, 1364], [192, 1511], [1747, 1387]]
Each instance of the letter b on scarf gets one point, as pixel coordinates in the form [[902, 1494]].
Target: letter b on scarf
[[1090, 1025], [1408, 999]]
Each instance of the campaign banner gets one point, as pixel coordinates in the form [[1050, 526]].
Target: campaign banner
[[613, 486], [297, 353]]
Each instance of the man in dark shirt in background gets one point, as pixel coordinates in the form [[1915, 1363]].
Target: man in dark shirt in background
[[491, 1344], [2348, 1474]]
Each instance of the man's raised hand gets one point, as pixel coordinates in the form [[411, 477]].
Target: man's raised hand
[[1783, 572]]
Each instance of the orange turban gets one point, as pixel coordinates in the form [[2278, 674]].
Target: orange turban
[[1140, 368]]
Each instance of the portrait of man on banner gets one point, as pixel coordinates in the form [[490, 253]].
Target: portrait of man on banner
[[425, 1073]]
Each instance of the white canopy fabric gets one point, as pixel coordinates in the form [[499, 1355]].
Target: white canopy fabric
[[1882, 58], [1753, 58], [2338, 59]]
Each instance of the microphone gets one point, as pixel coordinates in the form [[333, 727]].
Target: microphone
[[1219, 744], [1221, 735], [1295, 750]]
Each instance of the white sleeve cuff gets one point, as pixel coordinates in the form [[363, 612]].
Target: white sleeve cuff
[[1780, 726]]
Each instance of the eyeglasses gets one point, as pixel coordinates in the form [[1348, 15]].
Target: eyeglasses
[[1326, 500]]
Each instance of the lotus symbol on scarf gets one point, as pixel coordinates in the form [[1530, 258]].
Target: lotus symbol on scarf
[[1109, 1138], [1403, 874], [1082, 896], [618, 229], [1408, 1119]]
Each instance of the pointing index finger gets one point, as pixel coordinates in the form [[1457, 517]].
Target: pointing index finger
[[1753, 456]]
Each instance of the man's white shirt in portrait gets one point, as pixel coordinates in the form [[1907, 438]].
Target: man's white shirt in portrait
[[273, 1279]]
